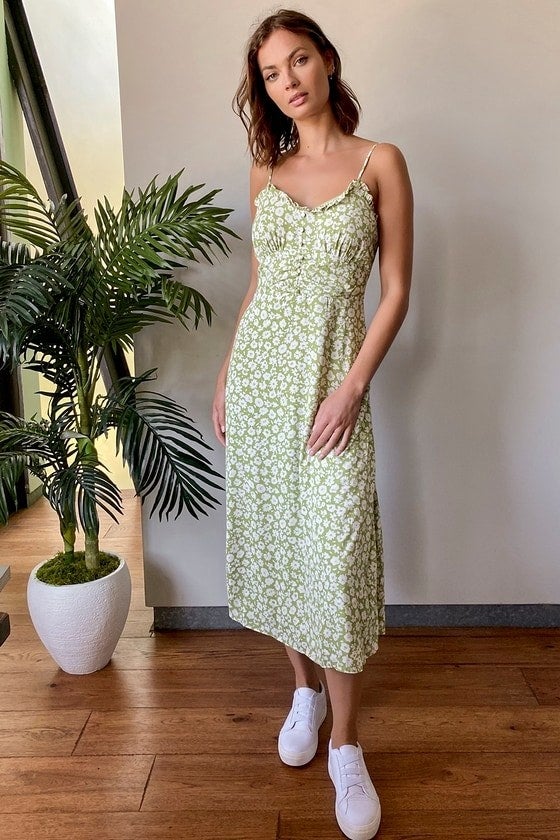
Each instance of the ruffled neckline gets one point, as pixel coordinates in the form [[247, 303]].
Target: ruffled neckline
[[325, 204]]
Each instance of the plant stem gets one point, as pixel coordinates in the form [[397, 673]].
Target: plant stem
[[92, 550], [68, 532], [87, 446]]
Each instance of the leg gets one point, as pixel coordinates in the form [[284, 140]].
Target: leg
[[345, 692], [298, 738], [357, 806], [304, 668]]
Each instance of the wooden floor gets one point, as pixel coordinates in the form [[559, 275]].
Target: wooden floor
[[176, 738]]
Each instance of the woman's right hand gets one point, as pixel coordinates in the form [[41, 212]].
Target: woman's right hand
[[219, 410]]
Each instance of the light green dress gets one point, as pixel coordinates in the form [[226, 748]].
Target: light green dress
[[304, 548]]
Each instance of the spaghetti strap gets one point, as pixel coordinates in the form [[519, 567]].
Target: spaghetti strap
[[366, 161], [270, 176]]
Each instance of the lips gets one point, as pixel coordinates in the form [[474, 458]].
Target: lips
[[298, 98]]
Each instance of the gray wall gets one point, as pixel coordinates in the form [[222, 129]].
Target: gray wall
[[466, 406]]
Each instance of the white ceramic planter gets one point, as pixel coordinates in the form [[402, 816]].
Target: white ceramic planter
[[80, 624]]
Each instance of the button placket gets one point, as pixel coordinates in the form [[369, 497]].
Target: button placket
[[305, 217]]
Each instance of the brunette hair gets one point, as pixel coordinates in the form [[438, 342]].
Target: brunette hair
[[270, 132]]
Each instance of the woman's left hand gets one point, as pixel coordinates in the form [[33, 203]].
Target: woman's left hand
[[334, 422]]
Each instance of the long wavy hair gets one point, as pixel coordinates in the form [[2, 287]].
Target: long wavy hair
[[270, 132]]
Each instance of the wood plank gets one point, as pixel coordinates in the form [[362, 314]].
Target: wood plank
[[40, 733], [229, 824], [407, 781], [189, 731], [545, 684], [222, 649], [108, 783], [138, 625], [201, 688], [251, 780], [21, 657], [236, 729], [434, 825], [460, 729]]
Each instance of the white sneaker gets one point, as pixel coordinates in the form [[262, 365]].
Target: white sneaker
[[357, 806], [299, 735]]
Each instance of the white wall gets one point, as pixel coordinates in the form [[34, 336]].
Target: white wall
[[466, 406]]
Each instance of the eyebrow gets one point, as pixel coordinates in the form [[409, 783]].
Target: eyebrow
[[273, 66]]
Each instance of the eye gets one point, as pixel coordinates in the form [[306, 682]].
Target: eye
[[301, 59], [270, 77]]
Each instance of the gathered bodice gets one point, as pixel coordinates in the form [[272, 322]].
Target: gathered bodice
[[326, 250]]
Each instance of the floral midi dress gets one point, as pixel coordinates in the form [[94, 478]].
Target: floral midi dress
[[304, 546]]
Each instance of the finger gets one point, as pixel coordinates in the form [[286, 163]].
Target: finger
[[343, 442], [326, 441], [219, 426], [317, 439], [330, 445]]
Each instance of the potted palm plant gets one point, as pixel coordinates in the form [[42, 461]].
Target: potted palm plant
[[67, 295]]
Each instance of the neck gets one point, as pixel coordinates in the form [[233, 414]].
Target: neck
[[319, 135]]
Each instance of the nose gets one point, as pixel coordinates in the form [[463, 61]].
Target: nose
[[291, 80]]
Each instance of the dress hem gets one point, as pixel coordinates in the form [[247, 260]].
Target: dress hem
[[307, 652]]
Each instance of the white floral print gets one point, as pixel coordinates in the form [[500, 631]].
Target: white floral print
[[304, 546]]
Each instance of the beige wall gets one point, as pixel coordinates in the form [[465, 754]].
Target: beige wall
[[466, 405]]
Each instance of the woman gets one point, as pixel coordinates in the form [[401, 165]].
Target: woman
[[304, 541]]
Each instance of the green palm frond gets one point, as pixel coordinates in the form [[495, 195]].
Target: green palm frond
[[16, 253], [11, 470], [52, 352], [85, 484], [26, 292], [159, 443], [167, 301], [40, 443], [179, 299], [42, 223], [138, 240], [26, 215]]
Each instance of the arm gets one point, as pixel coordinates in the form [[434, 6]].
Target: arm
[[337, 414], [258, 178]]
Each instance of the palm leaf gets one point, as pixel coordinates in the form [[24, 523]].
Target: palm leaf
[[138, 240], [159, 443], [85, 485], [11, 470], [40, 446], [167, 301], [26, 215]]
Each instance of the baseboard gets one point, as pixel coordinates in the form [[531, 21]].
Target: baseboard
[[396, 615]]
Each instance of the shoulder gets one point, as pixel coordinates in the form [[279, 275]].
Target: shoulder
[[387, 154], [386, 163], [258, 177]]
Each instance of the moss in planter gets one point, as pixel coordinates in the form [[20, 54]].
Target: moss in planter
[[59, 571]]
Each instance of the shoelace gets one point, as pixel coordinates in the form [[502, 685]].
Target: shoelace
[[358, 786], [303, 711]]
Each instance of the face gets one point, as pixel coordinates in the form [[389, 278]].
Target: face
[[295, 74]]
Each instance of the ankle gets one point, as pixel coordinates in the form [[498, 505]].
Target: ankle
[[338, 741], [308, 683]]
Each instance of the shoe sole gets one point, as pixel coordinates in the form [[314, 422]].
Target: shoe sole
[[366, 832], [299, 759]]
